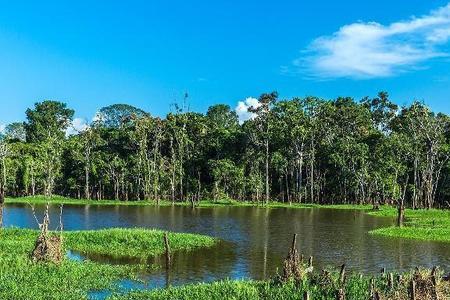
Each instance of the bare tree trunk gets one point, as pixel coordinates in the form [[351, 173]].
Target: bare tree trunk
[[416, 183], [401, 205], [312, 169], [300, 172], [267, 170], [172, 181], [33, 185], [86, 185], [287, 186], [400, 213]]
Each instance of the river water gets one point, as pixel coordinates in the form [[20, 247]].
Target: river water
[[253, 240]]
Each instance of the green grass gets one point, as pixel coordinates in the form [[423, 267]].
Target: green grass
[[135, 243], [203, 203], [318, 286], [71, 201], [22, 279], [421, 224]]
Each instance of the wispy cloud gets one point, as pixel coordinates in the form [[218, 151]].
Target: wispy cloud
[[243, 107], [369, 49]]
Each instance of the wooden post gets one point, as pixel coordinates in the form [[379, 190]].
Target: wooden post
[[310, 261], [372, 288], [306, 296], [391, 281], [376, 296], [167, 247], [342, 274], [413, 290], [294, 241], [291, 264], [340, 294], [433, 275], [434, 281]]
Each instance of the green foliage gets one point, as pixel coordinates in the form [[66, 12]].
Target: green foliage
[[16, 132], [48, 120], [308, 150], [116, 115]]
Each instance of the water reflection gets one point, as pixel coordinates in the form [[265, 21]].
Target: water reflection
[[255, 240]]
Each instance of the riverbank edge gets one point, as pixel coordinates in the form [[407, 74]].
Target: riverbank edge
[[73, 279], [426, 225], [318, 285], [201, 204], [121, 242]]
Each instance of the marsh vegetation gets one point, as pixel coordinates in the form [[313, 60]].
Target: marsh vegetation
[[370, 156]]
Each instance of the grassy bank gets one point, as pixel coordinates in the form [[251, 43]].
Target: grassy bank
[[318, 286], [22, 279], [203, 203], [135, 243], [71, 201], [429, 225]]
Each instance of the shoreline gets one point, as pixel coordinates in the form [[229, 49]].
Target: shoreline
[[421, 224]]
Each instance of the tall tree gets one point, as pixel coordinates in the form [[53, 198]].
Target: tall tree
[[46, 126], [15, 132], [299, 150], [262, 133], [117, 115]]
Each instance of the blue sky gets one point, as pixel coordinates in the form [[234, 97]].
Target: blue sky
[[148, 53]]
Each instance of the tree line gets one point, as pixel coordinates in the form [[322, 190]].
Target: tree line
[[301, 150]]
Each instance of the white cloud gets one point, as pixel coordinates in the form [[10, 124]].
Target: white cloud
[[242, 109], [78, 125], [369, 50]]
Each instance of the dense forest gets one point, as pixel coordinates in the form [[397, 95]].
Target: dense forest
[[306, 150]]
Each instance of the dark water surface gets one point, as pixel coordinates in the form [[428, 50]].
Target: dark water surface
[[254, 240]]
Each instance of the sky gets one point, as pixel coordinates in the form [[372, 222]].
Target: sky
[[91, 54]]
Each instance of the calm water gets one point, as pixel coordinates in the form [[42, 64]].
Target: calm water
[[255, 240]]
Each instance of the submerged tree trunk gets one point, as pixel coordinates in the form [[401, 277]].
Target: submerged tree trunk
[[401, 205], [400, 213], [48, 246]]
